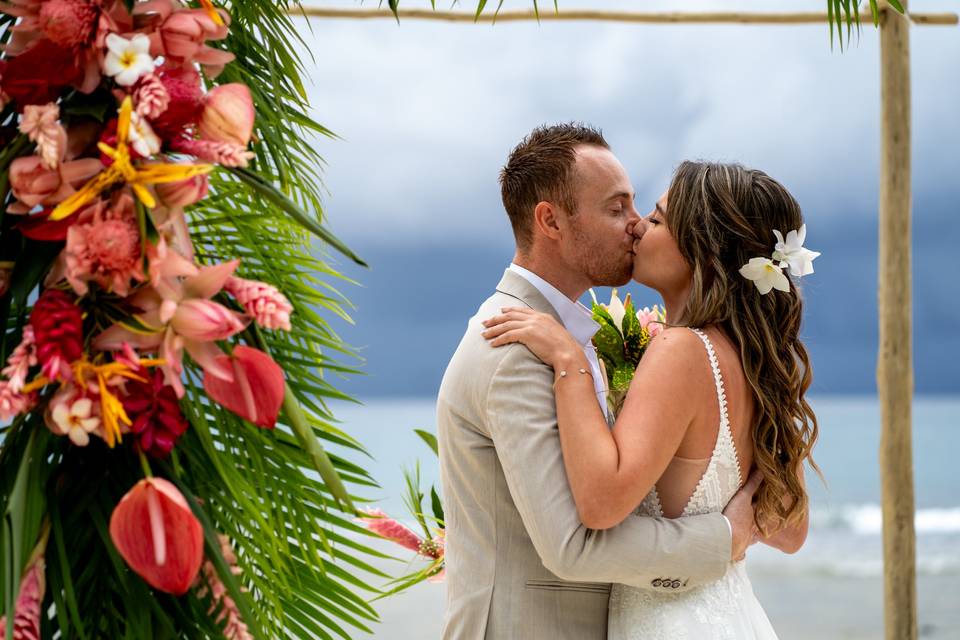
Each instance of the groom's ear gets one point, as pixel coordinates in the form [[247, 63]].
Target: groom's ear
[[545, 218]]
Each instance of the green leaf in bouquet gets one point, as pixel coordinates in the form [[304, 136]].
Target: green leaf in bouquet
[[429, 438], [622, 376], [609, 344], [633, 335], [437, 506], [33, 264]]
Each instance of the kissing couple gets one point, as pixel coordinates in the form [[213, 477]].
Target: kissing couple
[[565, 521]]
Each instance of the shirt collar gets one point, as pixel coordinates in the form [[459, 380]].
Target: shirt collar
[[576, 318]]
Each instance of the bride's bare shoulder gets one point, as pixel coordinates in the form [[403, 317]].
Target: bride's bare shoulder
[[676, 350]]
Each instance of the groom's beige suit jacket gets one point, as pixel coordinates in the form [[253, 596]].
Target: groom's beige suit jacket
[[520, 564]]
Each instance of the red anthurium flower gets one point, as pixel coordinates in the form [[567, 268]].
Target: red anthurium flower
[[158, 536], [256, 392]]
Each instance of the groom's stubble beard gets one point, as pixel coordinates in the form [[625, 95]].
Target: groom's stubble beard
[[601, 265]]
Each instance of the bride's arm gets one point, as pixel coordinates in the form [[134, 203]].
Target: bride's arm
[[611, 471], [790, 539]]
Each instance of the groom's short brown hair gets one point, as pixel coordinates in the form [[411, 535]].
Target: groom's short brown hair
[[541, 168]]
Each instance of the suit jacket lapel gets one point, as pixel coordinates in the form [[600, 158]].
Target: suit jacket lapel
[[516, 286]]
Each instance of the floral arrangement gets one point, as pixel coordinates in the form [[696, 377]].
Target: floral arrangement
[[139, 364], [788, 254], [621, 341], [430, 545]]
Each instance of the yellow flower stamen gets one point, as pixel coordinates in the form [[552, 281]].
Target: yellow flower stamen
[[123, 170], [212, 12]]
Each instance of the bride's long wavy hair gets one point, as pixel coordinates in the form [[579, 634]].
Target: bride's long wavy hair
[[721, 216]]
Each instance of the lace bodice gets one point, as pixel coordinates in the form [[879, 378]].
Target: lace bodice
[[722, 477]]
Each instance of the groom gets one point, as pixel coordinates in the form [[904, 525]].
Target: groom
[[520, 564]]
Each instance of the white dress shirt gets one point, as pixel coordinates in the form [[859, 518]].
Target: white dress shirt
[[576, 319]]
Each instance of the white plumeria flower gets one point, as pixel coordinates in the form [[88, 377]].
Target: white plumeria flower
[[790, 252], [766, 275], [74, 420], [127, 60], [616, 309], [142, 137]]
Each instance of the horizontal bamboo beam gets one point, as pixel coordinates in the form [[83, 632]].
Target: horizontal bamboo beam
[[607, 16]]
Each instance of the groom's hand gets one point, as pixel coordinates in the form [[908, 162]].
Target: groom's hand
[[740, 513]]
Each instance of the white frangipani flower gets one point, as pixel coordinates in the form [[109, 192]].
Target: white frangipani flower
[[790, 252], [766, 275], [74, 420], [127, 60], [142, 137], [616, 309]]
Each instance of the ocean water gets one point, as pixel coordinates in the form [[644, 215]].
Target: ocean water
[[832, 588]]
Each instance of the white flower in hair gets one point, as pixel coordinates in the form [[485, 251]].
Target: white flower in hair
[[766, 275], [790, 252]]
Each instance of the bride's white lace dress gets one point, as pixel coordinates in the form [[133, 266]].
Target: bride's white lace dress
[[723, 610]]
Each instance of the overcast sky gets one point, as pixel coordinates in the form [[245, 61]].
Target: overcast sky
[[428, 111]]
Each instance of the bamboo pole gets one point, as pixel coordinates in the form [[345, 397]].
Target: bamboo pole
[[895, 359], [604, 16]]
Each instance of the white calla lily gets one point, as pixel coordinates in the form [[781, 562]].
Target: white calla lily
[[790, 252], [616, 309], [766, 275], [127, 60]]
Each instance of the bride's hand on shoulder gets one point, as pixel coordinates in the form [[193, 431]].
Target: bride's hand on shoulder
[[539, 332]]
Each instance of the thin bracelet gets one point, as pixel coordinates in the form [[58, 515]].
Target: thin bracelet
[[563, 374]]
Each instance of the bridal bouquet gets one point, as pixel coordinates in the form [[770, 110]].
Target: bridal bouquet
[[623, 337], [132, 502]]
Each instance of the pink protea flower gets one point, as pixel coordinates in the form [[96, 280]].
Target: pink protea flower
[[58, 329], [270, 308], [221, 603], [20, 361], [105, 251], [227, 154], [70, 23], [151, 97], [40, 123], [386, 527], [26, 616], [228, 115]]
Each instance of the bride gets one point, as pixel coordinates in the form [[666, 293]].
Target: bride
[[719, 391]]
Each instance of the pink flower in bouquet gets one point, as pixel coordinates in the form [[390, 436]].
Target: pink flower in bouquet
[[14, 402], [34, 183], [106, 250], [173, 306], [70, 23], [28, 607], [184, 101], [158, 536], [39, 74], [182, 37], [234, 628], [183, 193], [651, 320], [151, 97], [222, 153], [228, 115], [40, 123], [22, 358], [58, 328], [155, 411], [269, 308], [257, 389], [386, 527]]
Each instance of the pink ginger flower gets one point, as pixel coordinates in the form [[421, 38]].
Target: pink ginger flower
[[386, 527], [20, 361], [227, 154], [106, 250], [40, 123], [209, 581], [270, 308], [652, 320], [26, 616], [151, 97], [13, 403]]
